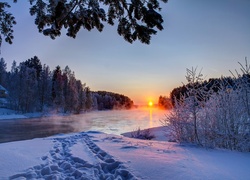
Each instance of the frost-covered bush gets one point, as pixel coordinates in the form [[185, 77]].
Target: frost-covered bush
[[142, 134], [226, 121], [213, 118], [179, 122], [184, 118]]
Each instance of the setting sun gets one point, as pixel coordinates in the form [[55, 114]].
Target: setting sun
[[150, 103]]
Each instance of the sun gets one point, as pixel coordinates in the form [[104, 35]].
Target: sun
[[150, 103]]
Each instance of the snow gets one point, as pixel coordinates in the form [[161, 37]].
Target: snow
[[11, 114], [95, 155], [15, 157], [6, 114]]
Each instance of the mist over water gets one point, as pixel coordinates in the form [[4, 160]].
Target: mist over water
[[111, 122], [120, 121]]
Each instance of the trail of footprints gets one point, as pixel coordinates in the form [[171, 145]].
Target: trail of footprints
[[61, 165]]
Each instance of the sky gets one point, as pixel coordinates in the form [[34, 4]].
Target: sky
[[210, 35]]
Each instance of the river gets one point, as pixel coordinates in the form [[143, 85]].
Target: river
[[111, 122]]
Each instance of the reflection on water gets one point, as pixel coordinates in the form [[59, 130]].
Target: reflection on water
[[113, 122], [150, 117]]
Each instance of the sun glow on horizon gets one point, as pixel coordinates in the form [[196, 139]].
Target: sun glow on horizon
[[150, 103]]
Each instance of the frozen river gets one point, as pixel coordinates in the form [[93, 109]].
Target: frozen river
[[111, 122]]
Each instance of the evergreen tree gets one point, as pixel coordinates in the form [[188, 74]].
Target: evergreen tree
[[72, 93], [57, 88], [81, 97], [7, 20], [66, 90], [29, 89], [137, 20], [33, 87], [89, 100], [95, 102], [34, 63], [45, 88], [13, 87], [3, 72], [13, 67]]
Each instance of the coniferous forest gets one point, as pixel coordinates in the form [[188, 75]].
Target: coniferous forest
[[33, 87]]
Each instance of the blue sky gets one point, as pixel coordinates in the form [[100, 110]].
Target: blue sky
[[213, 35]]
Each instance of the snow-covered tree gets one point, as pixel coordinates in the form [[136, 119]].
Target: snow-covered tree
[[213, 114], [81, 97], [33, 87], [3, 72], [57, 88], [45, 86], [13, 86], [73, 94], [195, 96], [29, 83], [89, 99], [178, 122], [35, 64], [94, 100], [66, 92]]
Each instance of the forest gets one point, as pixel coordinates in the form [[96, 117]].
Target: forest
[[213, 113], [33, 87]]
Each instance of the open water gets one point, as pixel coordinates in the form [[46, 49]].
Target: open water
[[111, 122]]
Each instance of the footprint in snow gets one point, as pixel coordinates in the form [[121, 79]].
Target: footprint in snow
[[61, 164]]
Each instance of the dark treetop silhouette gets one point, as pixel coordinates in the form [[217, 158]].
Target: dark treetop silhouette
[[136, 19]]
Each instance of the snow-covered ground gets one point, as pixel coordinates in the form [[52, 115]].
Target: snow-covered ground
[[10, 114], [6, 113], [95, 155]]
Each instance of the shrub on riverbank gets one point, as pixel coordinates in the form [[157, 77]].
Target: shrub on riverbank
[[142, 134], [212, 118]]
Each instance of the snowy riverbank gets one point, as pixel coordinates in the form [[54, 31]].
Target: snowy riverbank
[[10, 114], [6, 114], [95, 155]]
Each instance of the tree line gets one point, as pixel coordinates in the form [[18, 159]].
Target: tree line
[[212, 84], [213, 113], [108, 100], [33, 87], [164, 102]]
